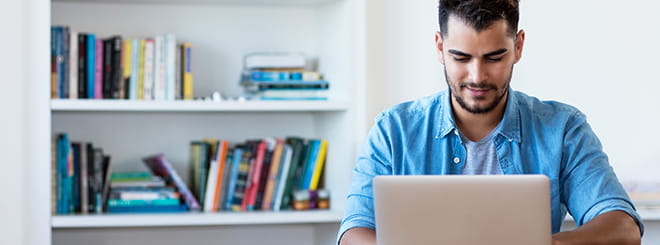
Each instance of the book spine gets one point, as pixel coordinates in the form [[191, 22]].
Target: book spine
[[318, 166], [135, 61], [210, 188], [91, 67], [221, 159], [73, 65], [159, 80], [186, 71], [82, 65], [99, 70], [65, 62], [117, 82], [287, 153], [233, 177], [272, 175], [148, 69], [84, 182], [170, 66], [126, 67], [140, 73], [253, 182]]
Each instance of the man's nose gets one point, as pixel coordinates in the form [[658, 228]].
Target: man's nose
[[477, 72]]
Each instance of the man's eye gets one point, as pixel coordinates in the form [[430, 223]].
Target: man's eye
[[462, 60], [494, 59]]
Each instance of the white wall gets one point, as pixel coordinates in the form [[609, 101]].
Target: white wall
[[24, 125], [600, 56]]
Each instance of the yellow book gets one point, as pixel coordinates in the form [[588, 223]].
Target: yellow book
[[318, 167], [140, 77], [186, 71], [126, 68]]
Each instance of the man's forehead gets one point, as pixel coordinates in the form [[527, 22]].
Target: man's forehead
[[466, 38]]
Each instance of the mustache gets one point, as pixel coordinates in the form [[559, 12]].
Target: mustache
[[477, 85]]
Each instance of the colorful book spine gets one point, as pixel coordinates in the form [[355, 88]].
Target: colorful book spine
[[186, 71], [255, 176], [126, 68], [285, 164], [135, 61], [73, 65], [161, 167], [149, 68], [140, 68], [221, 159], [91, 67], [233, 177], [272, 175], [318, 166]]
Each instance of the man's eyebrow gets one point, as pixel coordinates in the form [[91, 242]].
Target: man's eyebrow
[[459, 53], [497, 52]]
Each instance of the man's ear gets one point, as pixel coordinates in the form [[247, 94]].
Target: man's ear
[[438, 47], [520, 42]]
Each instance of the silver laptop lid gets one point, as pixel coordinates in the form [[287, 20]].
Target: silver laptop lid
[[462, 209]]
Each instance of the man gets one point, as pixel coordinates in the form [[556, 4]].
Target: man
[[481, 126]]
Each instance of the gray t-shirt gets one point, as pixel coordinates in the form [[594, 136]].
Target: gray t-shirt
[[481, 155]]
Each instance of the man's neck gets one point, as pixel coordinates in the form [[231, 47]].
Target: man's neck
[[477, 126]]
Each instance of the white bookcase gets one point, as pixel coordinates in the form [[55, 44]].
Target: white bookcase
[[221, 32]]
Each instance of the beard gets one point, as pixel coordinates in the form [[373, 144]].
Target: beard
[[477, 109]]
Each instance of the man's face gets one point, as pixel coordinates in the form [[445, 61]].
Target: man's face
[[478, 65]]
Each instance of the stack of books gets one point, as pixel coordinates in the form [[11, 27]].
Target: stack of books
[[644, 194], [282, 76], [84, 66], [142, 192]]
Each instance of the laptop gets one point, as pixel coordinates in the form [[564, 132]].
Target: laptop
[[462, 209]]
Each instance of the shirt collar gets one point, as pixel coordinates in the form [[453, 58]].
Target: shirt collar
[[510, 122]]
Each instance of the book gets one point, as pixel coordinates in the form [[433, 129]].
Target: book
[[285, 164], [82, 65], [221, 158], [170, 67], [274, 60], [186, 71], [99, 70], [91, 65], [84, 175], [134, 63], [265, 167], [149, 67], [241, 180], [148, 209], [255, 174], [126, 69], [272, 175], [233, 176], [140, 70], [318, 165], [298, 153], [210, 188], [73, 65], [159, 165], [107, 171], [308, 165]]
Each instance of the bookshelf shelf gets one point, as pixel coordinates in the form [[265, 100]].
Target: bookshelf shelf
[[193, 106], [237, 2], [195, 219]]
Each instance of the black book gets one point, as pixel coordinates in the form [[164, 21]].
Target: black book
[[82, 65]]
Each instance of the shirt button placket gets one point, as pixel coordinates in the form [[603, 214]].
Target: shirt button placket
[[457, 160]]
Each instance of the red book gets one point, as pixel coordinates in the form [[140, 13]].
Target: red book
[[254, 177]]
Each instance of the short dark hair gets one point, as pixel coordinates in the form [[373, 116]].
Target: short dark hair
[[479, 14]]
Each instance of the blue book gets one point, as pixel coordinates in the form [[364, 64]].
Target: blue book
[[91, 67], [64, 190], [233, 176], [309, 165]]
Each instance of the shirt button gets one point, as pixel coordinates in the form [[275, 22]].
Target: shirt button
[[457, 160], [510, 140]]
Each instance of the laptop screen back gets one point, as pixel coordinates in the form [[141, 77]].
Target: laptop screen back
[[462, 209]]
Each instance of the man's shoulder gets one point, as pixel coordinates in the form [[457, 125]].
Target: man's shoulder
[[545, 110], [420, 107]]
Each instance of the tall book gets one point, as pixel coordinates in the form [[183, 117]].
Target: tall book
[[73, 65], [99, 69], [285, 164], [126, 68], [241, 180], [255, 175], [159, 165], [233, 176], [140, 69], [298, 153], [149, 67], [221, 158], [186, 71], [91, 65], [272, 175], [318, 165], [82, 65], [265, 167]]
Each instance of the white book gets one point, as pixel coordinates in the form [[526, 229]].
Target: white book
[[148, 69], [210, 186], [159, 69], [281, 179], [73, 65], [274, 60], [170, 67], [135, 61]]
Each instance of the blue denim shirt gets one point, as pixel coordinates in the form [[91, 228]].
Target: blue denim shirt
[[536, 137]]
